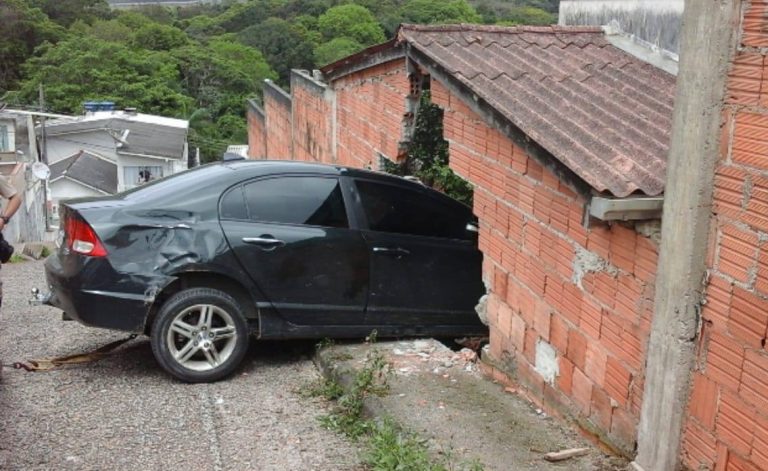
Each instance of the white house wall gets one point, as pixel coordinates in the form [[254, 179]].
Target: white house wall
[[169, 166]]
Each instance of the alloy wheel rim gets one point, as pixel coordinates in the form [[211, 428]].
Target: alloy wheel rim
[[202, 337]]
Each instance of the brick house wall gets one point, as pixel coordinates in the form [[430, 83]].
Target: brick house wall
[[586, 294], [727, 426], [371, 105], [312, 109], [257, 131], [277, 110]]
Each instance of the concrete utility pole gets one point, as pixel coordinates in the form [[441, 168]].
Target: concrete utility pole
[[708, 42]]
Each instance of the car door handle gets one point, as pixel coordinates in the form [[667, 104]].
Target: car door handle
[[393, 251], [267, 242]]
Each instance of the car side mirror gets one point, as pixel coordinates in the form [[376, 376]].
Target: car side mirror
[[471, 227]]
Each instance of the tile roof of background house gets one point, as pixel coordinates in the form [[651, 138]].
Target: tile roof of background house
[[147, 134], [600, 111], [89, 169]]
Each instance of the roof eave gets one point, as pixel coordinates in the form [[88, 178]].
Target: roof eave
[[368, 57]]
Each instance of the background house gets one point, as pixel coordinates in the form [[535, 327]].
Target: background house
[[105, 152]]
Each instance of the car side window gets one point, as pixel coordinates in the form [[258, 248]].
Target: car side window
[[233, 205], [312, 201], [391, 208]]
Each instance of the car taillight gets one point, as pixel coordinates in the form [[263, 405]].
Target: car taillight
[[82, 239]]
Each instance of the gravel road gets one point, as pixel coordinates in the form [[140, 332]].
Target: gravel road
[[125, 413]]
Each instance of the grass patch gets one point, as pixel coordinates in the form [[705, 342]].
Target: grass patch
[[387, 446], [17, 258], [45, 252]]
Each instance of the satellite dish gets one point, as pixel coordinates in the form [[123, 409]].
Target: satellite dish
[[41, 171]]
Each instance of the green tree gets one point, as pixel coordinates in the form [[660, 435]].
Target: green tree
[[336, 49], [353, 22], [111, 30], [242, 15], [283, 45], [157, 37], [66, 12], [438, 11], [85, 68], [22, 29]]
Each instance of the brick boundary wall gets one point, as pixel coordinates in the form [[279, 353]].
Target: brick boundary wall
[[257, 131], [727, 426], [313, 120], [277, 111], [370, 106], [569, 307]]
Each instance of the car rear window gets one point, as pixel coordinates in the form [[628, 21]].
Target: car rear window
[[312, 201], [391, 208]]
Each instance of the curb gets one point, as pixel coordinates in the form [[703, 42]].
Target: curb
[[331, 369]]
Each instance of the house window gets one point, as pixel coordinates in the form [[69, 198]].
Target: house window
[[7, 143], [138, 175]]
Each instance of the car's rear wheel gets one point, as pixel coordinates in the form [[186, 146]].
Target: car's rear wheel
[[200, 335]]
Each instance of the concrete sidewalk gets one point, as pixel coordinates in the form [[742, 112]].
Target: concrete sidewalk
[[441, 395]]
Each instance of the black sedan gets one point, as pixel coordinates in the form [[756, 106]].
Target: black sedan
[[202, 259]]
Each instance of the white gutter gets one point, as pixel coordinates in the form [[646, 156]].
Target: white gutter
[[626, 209]]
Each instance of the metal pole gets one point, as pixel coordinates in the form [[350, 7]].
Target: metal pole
[[44, 159]]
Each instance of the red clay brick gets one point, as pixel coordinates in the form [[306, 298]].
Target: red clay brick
[[699, 447], [629, 294], [729, 191], [577, 348], [745, 79], [623, 426], [558, 334], [582, 391], [516, 333], [702, 404], [718, 296], [565, 376], [737, 252], [645, 260], [594, 363], [761, 284], [623, 247], [541, 319], [759, 454], [735, 423], [599, 241], [591, 317], [737, 463], [725, 359], [531, 337], [754, 379], [601, 410], [617, 381], [748, 317], [572, 300]]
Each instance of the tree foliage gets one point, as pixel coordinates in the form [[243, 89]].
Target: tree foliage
[[441, 12], [283, 44], [22, 29], [66, 12], [336, 49], [351, 21]]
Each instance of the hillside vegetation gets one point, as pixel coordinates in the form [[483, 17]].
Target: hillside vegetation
[[201, 63]]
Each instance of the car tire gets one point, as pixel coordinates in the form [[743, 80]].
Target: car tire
[[200, 335]]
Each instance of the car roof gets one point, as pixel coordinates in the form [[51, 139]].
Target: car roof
[[266, 167]]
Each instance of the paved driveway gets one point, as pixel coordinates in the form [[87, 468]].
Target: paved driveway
[[125, 413]]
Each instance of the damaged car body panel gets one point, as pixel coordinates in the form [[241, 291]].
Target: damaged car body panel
[[201, 259]]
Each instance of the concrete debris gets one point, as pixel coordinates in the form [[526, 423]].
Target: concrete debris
[[408, 358], [566, 454]]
